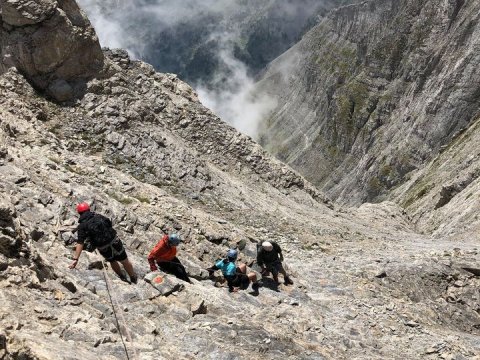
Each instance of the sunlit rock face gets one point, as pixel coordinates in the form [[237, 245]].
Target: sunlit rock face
[[52, 43], [141, 149]]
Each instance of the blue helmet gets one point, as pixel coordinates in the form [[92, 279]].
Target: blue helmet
[[174, 239], [232, 254]]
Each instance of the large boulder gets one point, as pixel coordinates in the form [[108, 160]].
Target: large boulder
[[26, 12], [51, 43]]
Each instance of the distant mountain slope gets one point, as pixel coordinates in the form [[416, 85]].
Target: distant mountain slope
[[187, 37], [374, 92], [444, 195]]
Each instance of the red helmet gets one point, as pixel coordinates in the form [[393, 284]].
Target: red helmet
[[82, 207]]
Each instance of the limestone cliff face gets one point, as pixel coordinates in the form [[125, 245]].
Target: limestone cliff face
[[52, 43], [443, 196], [374, 92], [141, 149]]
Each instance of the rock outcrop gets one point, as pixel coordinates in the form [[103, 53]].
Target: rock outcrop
[[442, 197], [51, 43]]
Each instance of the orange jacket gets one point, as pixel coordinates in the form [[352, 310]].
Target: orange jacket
[[162, 251]]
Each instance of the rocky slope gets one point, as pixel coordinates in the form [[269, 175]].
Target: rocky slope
[[140, 148], [373, 93]]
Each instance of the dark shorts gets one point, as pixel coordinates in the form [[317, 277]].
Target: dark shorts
[[275, 267], [114, 252], [174, 267], [241, 280]]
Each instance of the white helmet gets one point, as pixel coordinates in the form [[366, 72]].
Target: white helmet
[[267, 246]]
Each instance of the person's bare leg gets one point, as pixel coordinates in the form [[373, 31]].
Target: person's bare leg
[[254, 280], [242, 268], [129, 268], [116, 267]]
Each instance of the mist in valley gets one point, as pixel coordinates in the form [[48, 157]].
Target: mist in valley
[[220, 47]]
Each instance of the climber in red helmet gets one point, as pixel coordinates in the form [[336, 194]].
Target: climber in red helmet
[[95, 231]]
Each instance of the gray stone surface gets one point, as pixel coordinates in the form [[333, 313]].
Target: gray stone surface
[[51, 43], [164, 283], [136, 147], [26, 12]]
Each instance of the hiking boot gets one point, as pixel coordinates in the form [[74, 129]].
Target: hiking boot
[[123, 277], [134, 279], [255, 286], [288, 281]]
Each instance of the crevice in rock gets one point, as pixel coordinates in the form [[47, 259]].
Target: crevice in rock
[[474, 271], [458, 6], [3, 346]]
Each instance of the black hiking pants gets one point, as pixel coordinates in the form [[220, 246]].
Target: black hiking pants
[[275, 267], [174, 267]]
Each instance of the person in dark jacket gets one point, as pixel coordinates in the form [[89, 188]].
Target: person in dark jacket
[[269, 258], [96, 230], [164, 255], [237, 277]]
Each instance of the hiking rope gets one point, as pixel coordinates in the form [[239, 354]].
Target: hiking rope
[[122, 318]]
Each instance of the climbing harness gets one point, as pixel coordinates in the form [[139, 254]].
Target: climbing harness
[[112, 249]]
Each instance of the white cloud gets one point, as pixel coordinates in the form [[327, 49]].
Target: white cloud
[[232, 97], [107, 21]]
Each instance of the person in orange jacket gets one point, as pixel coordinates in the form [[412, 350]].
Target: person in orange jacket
[[164, 255]]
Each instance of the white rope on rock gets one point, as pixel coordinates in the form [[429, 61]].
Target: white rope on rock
[[120, 314]]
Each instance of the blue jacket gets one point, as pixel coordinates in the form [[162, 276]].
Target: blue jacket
[[229, 271], [228, 268]]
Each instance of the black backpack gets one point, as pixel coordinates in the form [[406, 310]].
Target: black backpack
[[88, 246], [100, 232]]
